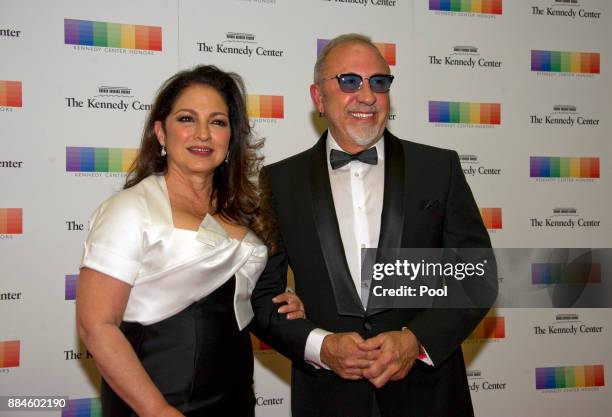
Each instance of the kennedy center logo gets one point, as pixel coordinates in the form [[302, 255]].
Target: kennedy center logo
[[570, 9], [485, 7], [492, 218], [489, 328], [463, 56], [10, 95], [465, 114], [364, 3], [568, 168], [11, 221], [565, 116], [265, 108], [472, 167], [568, 324], [561, 273], [112, 37], [99, 160], [570, 63], [70, 287], [568, 377], [9, 354], [83, 407], [10, 33], [108, 98], [240, 43], [479, 383], [565, 218]]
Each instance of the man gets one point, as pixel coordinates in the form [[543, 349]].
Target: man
[[360, 186]]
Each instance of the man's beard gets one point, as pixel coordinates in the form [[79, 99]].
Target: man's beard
[[363, 136]]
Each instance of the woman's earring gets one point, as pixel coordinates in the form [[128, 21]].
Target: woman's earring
[[227, 157], [163, 151]]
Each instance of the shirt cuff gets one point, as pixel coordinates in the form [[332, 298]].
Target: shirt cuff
[[424, 356], [312, 351]]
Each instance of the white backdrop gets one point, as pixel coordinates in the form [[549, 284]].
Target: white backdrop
[[40, 244]]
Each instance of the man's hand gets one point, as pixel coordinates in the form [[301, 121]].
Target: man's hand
[[341, 352], [397, 353]]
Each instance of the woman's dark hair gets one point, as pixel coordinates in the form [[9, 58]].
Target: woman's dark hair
[[235, 190]]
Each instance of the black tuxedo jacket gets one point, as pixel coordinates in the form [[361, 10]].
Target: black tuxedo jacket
[[427, 203]]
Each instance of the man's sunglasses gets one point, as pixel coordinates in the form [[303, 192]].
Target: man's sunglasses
[[349, 83]]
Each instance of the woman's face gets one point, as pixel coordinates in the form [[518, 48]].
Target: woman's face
[[197, 131]]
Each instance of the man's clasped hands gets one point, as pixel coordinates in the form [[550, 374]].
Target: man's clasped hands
[[389, 356]]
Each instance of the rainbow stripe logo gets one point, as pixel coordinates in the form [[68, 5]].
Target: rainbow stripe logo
[[570, 377], [559, 273], [466, 113], [71, 285], [467, 6], [112, 35], [267, 107], [11, 221], [563, 167], [99, 159], [9, 354], [490, 328], [557, 61], [258, 345], [83, 407], [387, 50], [10, 94], [491, 217]]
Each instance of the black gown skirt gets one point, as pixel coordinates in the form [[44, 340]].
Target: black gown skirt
[[199, 360]]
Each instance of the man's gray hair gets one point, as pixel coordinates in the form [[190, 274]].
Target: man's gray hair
[[337, 41]]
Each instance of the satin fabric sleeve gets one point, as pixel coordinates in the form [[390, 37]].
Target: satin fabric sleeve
[[115, 242]]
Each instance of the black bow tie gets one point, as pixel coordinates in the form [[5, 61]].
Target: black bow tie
[[338, 159]]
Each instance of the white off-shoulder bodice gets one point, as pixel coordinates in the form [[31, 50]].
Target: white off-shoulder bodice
[[132, 238]]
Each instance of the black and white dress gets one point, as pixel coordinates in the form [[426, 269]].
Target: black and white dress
[[189, 304]]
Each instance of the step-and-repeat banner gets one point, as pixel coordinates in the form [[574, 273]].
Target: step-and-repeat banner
[[520, 88]]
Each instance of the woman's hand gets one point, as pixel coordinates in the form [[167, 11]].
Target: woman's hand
[[293, 307]]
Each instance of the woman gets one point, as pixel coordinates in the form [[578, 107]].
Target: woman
[[170, 261]]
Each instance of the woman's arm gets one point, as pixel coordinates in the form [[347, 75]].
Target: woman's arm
[[101, 302]]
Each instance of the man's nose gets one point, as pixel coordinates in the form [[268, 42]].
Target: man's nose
[[365, 93]]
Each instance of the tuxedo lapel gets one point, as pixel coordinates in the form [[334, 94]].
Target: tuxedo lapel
[[392, 221], [348, 302], [393, 212]]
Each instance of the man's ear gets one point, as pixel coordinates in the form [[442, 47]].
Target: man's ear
[[317, 97], [159, 132]]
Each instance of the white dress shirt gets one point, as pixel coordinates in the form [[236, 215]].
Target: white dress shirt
[[357, 189], [132, 238]]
